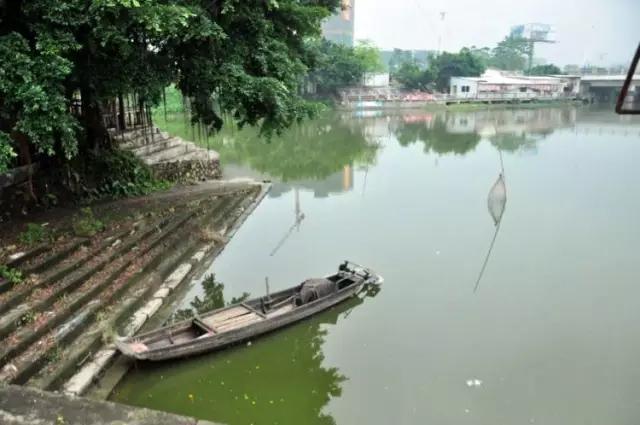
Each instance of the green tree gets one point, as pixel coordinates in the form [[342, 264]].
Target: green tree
[[242, 57], [369, 56], [511, 54], [483, 54], [337, 66], [463, 64], [398, 58], [545, 70], [413, 77]]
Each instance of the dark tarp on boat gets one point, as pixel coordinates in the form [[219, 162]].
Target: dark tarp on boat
[[312, 289]]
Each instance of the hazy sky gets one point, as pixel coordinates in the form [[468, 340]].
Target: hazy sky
[[587, 31]]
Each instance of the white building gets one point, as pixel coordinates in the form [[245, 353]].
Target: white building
[[496, 82], [380, 79]]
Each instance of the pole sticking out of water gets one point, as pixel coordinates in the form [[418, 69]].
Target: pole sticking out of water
[[266, 283]]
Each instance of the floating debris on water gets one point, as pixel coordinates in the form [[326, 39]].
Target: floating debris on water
[[474, 382]]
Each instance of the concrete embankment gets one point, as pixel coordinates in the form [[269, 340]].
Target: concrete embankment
[[384, 105], [28, 406]]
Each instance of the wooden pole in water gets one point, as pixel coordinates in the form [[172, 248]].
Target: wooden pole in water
[[266, 282]]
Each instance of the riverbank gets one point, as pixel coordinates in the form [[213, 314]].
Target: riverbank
[[466, 104], [72, 292], [28, 406]]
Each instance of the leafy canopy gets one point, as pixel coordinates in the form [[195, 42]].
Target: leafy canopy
[[511, 54], [441, 68], [242, 57], [462, 64], [412, 76], [549, 69], [338, 66]]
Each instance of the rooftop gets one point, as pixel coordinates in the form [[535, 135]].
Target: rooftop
[[495, 76]]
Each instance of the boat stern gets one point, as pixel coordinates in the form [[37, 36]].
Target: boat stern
[[134, 350]]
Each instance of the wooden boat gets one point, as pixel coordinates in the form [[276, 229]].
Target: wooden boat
[[225, 326]]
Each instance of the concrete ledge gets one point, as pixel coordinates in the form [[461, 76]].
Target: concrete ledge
[[27, 406]]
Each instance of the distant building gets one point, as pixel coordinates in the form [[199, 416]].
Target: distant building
[[494, 81], [379, 79], [339, 27]]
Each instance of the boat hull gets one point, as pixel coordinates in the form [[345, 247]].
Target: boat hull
[[222, 340]]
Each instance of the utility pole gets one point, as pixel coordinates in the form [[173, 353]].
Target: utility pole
[[443, 15]]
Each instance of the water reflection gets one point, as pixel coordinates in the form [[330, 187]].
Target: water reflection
[[429, 230], [212, 298], [299, 216], [279, 379], [460, 132], [311, 151], [436, 135]]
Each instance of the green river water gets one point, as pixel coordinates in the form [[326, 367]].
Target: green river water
[[550, 335]]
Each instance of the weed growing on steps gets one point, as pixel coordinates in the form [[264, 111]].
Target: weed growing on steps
[[54, 355], [12, 275], [34, 233], [26, 318], [85, 223]]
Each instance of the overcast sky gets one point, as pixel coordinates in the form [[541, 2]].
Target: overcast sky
[[587, 31]]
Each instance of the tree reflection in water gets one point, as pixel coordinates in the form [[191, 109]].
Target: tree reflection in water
[[311, 150], [213, 298], [436, 137], [509, 130], [281, 378]]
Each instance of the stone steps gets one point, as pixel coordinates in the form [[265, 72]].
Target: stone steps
[[196, 155], [156, 146], [160, 268], [157, 149], [143, 140], [64, 267], [86, 290], [50, 257], [169, 153], [83, 284], [26, 354], [82, 380], [136, 137]]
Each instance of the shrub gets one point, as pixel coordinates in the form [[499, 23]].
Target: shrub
[[85, 224], [34, 233], [12, 275]]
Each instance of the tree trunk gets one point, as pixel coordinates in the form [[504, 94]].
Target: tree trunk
[[97, 135], [121, 118], [25, 159]]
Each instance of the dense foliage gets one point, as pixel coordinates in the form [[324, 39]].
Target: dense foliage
[[441, 68], [511, 54], [412, 76], [242, 57], [449, 65], [338, 66], [397, 57], [549, 69]]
